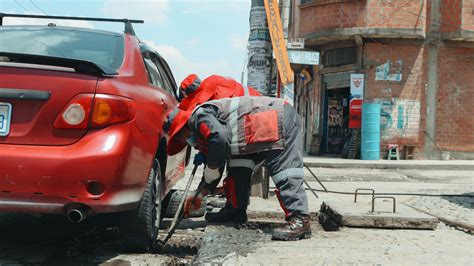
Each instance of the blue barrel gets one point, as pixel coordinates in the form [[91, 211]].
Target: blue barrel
[[370, 139]]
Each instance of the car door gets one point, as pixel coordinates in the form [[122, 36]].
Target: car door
[[177, 163], [161, 81]]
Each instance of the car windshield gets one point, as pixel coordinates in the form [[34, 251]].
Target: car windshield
[[101, 48]]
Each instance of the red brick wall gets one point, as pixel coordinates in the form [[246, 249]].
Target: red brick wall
[[403, 102], [455, 101], [396, 14], [450, 15], [363, 13], [468, 14], [332, 16]]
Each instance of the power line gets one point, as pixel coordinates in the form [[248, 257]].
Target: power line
[[38, 7], [24, 8], [244, 67]]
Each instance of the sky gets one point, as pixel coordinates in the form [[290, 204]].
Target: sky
[[204, 37]]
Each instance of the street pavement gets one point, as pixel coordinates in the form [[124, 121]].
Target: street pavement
[[27, 239], [447, 244]]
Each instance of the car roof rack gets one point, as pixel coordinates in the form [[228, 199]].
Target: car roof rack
[[128, 22]]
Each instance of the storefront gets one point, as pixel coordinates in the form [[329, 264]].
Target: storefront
[[336, 91]]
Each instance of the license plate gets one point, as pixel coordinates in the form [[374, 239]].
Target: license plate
[[5, 118]]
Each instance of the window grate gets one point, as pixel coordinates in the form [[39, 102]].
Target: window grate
[[340, 56]]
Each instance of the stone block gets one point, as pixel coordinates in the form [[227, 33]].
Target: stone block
[[360, 214]]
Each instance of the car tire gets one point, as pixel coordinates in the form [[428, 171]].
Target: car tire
[[217, 201], [175, 197], [139, 228]]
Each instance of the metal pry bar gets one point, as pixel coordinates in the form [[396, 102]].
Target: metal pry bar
[[128, 22], [178, 217], [315, 177]]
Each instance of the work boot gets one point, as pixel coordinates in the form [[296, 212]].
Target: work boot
[[227, 215], [297, 227]]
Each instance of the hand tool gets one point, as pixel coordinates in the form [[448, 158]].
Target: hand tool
[[179, 216]]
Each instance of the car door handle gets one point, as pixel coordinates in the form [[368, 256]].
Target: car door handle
[[164, 104]]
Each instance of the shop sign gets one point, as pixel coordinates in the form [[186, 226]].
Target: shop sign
[[357, 95], [303, 57], [278, 41], [357, 86], [295, 43]]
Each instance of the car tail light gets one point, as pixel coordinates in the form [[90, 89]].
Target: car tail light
[[76, 113], [109, 109], [89, 111]]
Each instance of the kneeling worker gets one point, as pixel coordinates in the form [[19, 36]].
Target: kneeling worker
[[247, 132]]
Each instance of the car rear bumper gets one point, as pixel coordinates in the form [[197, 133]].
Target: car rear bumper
[[60, 205], [51, 179]]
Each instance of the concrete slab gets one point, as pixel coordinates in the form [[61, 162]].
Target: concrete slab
[[360, 215]]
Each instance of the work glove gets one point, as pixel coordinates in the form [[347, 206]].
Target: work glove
[[192, 203], [199, 158], [211, 175]]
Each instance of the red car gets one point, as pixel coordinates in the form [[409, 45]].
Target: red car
[[81, 114]]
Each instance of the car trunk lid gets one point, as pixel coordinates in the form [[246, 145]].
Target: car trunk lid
[[34, 96]]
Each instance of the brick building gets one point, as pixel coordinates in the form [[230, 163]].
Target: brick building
[[417, 57]]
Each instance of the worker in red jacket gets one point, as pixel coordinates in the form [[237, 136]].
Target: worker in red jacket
[[193, 91], [245, 132]]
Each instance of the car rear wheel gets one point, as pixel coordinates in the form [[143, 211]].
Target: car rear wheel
[[139, 228]]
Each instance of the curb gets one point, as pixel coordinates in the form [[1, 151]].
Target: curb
[[463, 167], [265, 216]]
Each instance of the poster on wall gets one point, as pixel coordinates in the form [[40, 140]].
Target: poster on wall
[[389, 71], [357, 86], [259, 18], [289, 94], [357, 96]]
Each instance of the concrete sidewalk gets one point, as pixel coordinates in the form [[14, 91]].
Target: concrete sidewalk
[[325, 162], [446, 245]]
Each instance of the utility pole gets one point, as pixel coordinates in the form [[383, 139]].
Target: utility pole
[[260, 49], [259, 67]]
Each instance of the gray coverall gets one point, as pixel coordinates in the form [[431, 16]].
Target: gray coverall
[[213, 129]]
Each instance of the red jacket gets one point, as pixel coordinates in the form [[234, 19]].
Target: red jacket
[[216, 87]]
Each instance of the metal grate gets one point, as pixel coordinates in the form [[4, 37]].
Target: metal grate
[[339, 57]]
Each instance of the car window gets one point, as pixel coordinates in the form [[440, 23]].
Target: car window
[[165, 77], [153, 72], [100, 47], [169, 75]]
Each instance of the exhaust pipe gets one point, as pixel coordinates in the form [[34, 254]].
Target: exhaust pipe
[[77, 215]]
